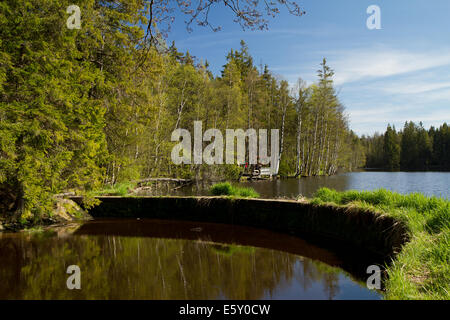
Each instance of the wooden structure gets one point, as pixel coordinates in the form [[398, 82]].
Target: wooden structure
[[255, 172]]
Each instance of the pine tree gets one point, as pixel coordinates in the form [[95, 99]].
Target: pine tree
[[391, 149]]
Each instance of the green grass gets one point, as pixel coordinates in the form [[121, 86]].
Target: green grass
[[422, 269], [226, 189], [119, 189]]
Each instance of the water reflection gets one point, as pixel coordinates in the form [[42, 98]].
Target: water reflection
[[191, 261]]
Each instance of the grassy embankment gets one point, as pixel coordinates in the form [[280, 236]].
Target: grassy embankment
[[422, 269], [220, 189]]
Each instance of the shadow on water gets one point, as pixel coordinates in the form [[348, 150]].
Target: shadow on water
[[154, 259]]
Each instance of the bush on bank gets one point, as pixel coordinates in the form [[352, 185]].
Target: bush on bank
[[120, 189], [226, 189], [422, 269]]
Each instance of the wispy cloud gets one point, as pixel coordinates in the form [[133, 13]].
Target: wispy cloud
[[373, 63], [382, 85], [414, 88], [374, 114]]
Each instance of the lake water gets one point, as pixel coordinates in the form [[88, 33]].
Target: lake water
[[154, 259], [429, 183]]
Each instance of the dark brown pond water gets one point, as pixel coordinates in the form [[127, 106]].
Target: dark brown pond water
[[154, 259]]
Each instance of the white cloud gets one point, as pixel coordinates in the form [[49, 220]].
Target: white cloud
[[415, 88], [391, 86], [378, 115], [366, 64]]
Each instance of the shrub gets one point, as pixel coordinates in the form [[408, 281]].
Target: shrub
[[221, 189], [119, 189], [226, 189]]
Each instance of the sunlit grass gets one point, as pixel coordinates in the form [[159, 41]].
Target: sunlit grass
[[119, 189], [226, 189], [422, 269]]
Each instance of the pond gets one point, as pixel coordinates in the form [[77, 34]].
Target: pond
[[155, 259]]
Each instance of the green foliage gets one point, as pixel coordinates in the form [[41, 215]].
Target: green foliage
[[129, 173], [226, 189], [221, 189], [120, 189], [441, 146], [327, 195], [392, 149], [232, 172], [246, 193], [413, 148], [421, 270], [82, 109], [51, 134], [285, 169]]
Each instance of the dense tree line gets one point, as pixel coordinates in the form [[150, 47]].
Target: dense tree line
[[413, 148], [83, 108]]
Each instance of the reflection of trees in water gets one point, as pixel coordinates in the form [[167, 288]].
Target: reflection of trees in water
[[306, 186], [319, 272], [146, 268]]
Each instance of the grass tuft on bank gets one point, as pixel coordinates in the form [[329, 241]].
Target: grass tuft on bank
[[226, 189], [422, 269], [119, 189]]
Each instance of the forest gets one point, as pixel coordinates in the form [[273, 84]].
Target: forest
[[410, 149], [84, 108]]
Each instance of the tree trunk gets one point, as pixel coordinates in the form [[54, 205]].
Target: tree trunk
[[314, 146], [299, 133]]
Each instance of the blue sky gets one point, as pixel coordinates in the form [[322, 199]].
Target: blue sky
[[396, 74]]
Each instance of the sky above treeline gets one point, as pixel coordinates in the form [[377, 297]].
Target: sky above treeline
[[398, 73]]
